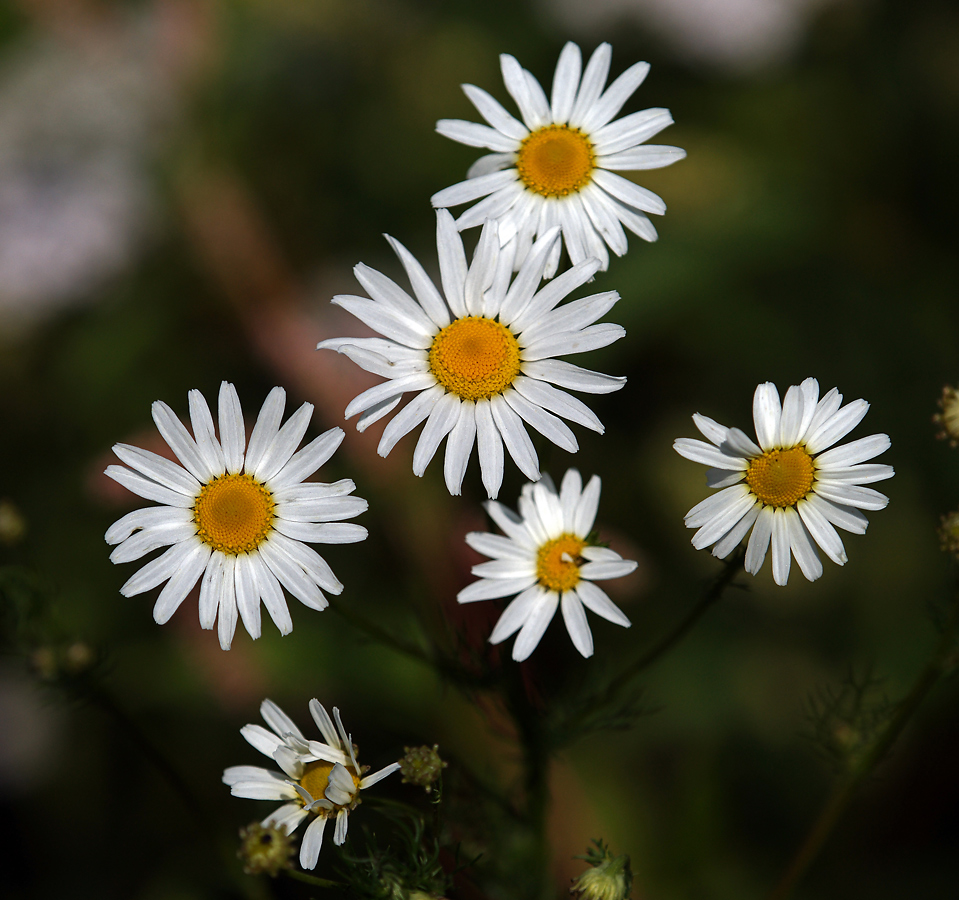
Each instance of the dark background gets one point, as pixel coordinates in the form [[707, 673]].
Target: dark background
[[184, 185]]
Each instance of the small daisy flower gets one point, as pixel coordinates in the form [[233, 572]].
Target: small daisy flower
[[237, 514], [481, 356], [321, 780], [548, 559], [557, 166], [791, 489]]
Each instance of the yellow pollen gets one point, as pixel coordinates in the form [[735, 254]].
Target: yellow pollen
[[558, 562], [556, 160], [233, 514], [475, 357], [316, 778], [781, 478]]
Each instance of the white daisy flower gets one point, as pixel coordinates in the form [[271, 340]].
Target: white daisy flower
[[236, 514], [319, 779], [547, 558], [557, 166], [481, 355], [791, 489]]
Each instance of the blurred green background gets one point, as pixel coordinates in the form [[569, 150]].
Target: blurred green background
[[184, 184]]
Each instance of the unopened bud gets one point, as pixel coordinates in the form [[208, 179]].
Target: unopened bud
[[265, 849], [422, 766]]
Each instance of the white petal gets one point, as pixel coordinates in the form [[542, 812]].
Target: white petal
[[440, 422], [489, 448], [724, 547], [567, 375], [181, 582], [232, 429], [708, 455], [575, 618], [590, 88], [851, 495], [759, 540], [518, 611], [565, 82], [203, 431], [613, 98], [535, 626], [855, 452], [179, 440], [514, 435], [148, 489], [837, 426], [472, 134], [160, 569], [648, 156], [266, 429], [766, 415], [629, 193], [312, 842], [822, 532]]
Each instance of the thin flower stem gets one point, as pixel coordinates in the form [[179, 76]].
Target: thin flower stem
[[732, 567], [297, 875], [836, 805], [103, 699], [461, 677]]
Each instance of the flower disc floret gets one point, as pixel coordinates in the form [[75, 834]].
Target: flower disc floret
[[556, 160], [475, 358], [234, 514], [781, 478], [558, 562]]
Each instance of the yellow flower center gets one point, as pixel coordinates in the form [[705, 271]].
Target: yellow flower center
[[316, 778], [475, 357], [558, 562], [556, 160], [781, 477], [233, 514]]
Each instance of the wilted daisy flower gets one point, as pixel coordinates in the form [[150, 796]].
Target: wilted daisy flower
[[548, 559], [481, 355], [557, 166], [319, 779], [790, 489], [237, 514]]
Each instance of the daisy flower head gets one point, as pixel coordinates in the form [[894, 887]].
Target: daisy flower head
[[547, 557], [238, 515], [321, 780], [790, 488], [481, 355], [558, 165]]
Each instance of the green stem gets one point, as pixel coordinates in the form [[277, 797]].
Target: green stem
[[297, 875], [456, 674], [732, 567], [107, 704], [841, 797]]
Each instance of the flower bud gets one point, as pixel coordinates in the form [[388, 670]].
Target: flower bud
[[610, 877], [422, 766], [265, 849], [948, 418]]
